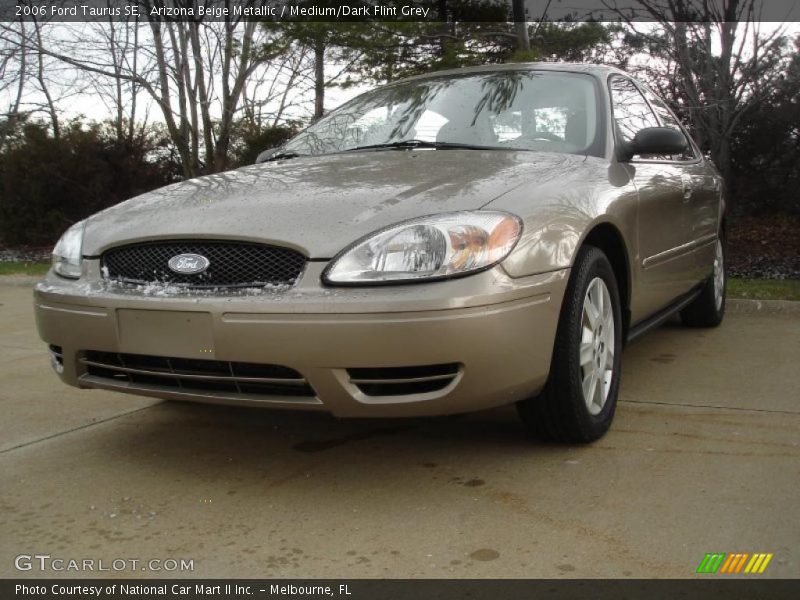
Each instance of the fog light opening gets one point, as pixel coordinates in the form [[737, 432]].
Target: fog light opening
[[57, 359]]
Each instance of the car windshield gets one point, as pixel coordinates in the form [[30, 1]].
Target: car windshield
[[511, 110]]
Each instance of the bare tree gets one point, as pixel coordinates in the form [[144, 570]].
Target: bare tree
[[717, 60], [13, 74], [120, 94], [268, 94], [196, 73], [28, 82]]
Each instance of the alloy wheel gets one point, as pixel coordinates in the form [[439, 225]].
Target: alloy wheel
[[597, 345]]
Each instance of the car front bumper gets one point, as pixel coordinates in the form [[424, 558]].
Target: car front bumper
[[494, 333]]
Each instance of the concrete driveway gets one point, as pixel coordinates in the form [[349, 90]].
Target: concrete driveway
[[703, 457]]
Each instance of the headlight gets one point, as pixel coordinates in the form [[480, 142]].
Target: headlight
[[435, 247], [67, 253]]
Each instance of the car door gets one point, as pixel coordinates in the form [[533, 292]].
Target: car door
[[702, 192], [664, 264]]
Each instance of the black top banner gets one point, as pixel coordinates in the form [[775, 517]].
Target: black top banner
[[395, 10]]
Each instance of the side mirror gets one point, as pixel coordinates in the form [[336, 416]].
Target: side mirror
[[654, 140], [263, 156]]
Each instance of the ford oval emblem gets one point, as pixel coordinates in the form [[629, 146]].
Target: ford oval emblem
[[188, 264]]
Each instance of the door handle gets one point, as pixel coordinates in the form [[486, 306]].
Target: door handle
[[687, 188]]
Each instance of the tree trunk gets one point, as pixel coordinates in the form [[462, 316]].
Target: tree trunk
[[51, 107], [521, 26], [13, 112], [164, 99], [134, 88], [232, 90], [319, 78]]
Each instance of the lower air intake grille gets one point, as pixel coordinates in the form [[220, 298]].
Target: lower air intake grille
[[230, 264], [400, 381], [193, 375]]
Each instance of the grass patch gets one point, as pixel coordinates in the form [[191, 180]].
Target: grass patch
[[23, 268], [764, 289]]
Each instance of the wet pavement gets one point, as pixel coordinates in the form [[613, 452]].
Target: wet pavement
[[703, 457]]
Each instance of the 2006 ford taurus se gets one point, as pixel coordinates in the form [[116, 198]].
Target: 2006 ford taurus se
[[446, 243]]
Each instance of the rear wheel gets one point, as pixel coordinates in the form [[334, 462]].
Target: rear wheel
[[580, 397], [708, 309]]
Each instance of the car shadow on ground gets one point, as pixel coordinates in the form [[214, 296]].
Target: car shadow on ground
[[216, 441]]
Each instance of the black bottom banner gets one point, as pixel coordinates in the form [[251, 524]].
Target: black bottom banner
[[400, 589]]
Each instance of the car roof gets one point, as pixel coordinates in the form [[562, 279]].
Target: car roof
[[592, 69]]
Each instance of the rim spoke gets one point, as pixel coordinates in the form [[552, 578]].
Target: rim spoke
[[589, 384], [607, 375], [608, 334], [591, 312], [600, 389], [586, 352], [598, 299]]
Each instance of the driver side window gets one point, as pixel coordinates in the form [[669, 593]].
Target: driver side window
[[669, 120], [631, 111]]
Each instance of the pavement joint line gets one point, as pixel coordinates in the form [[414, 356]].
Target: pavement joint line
[[737, 408], [74, 429]]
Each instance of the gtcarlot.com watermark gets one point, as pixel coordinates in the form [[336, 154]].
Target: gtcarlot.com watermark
[[48, 563]]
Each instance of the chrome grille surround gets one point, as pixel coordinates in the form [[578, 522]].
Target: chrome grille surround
[[401, 381], [231, 264]]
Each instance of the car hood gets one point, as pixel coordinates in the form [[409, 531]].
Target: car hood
[[319, 205]]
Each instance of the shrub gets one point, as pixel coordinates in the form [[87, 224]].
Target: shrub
[[49, 183]]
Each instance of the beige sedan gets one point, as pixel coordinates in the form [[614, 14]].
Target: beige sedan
[[443, 244]]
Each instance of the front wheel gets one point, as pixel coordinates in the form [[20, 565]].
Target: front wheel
[[580, 397]]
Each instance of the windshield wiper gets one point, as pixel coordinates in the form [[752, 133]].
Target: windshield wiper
[[283, 155], [401, 145], [410, 144]]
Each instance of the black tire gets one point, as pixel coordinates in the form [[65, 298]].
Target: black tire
[[560, 413], [706, 310]]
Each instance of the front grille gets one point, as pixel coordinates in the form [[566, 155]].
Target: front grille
[[399, 381], [194, 375], [231, 264]]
